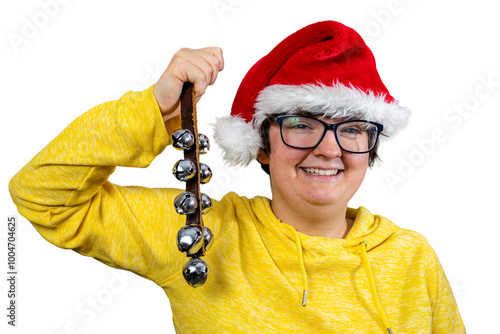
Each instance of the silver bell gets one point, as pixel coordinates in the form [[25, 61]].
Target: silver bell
[[204, 143], [185, 203], [207, 237], [184, 170], [206, 203], [207, 241], [205, 173], [195, 272], [189, 239], [182, 139]]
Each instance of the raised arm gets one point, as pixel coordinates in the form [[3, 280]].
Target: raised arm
[[64, 190]]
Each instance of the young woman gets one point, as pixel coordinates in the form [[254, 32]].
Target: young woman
[[311, 111]]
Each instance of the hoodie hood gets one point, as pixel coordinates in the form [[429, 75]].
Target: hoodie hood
[[372, 229], [303, 254]]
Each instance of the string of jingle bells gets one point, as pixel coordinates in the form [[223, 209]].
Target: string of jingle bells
[[193, 239]]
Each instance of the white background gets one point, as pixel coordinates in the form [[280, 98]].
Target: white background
[[60, 58]]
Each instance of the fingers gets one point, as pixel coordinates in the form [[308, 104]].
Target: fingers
[[198, 66], [202, 67]]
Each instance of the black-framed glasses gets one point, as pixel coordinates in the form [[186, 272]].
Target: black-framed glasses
[[305, 132]]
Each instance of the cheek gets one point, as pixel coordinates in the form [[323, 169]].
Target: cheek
[[274, 137], [284, 159], [279, 153], [357, 164]]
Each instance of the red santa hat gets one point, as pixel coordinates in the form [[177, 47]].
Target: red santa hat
[[325, 69]]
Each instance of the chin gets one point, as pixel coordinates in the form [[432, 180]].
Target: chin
[[325, 200]]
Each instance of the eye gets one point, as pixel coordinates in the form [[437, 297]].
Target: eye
[[298, 123], [352, 130], [299, 126]]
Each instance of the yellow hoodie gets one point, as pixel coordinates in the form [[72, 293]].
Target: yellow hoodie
[[379, 276]]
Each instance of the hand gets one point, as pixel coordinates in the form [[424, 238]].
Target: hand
[[198, 66]]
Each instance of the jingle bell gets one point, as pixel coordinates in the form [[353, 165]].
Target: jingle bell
[[195, 272], [206, 203], [182, 139], [207, 242], [204, 143], [184, 170], [205, 173], [190, 240], [185, 203], [207, 237]]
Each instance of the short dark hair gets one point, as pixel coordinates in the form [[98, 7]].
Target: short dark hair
[[264, 134]]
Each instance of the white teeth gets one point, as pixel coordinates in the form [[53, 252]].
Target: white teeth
[[316, 171]]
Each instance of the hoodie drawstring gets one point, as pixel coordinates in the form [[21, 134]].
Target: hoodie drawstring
[[298, 245], [366, 264], [373, 291]]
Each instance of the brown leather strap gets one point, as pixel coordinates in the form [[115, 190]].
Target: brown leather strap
[[189, 122]]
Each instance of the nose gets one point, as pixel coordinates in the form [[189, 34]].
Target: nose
[[328, 147]]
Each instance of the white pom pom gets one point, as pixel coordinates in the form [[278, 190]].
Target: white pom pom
[[239, 140]]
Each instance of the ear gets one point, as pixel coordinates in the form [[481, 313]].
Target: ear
[[263, 157]]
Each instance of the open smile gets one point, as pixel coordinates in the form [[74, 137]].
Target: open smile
[[317, 171]]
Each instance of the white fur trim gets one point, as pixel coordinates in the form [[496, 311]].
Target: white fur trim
[[336, 101], [239, 140]]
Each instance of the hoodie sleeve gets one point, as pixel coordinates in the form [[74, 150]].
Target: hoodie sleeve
[[446, 318], [64, 192]]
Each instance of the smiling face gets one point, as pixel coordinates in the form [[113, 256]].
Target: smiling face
[[321, 176]]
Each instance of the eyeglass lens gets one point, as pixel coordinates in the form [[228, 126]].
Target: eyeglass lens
[[306, 132]]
